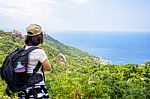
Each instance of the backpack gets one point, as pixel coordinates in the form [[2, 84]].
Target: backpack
[[14, 71]]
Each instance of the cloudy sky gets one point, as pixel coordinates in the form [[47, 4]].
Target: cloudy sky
[[76, 15]]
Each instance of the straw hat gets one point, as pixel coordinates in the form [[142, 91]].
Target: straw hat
[[33, 29]]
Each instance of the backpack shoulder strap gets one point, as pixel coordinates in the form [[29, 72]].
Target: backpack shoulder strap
[[37, 67], [31, 49]]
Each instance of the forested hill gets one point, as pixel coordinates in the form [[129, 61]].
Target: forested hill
[[79, 75], [52, 47], [72, 52]]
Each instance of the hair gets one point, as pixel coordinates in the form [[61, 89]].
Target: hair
[[34, 40]]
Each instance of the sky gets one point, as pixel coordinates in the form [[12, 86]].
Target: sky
[[76, 15]]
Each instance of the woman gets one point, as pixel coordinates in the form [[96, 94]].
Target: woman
[[35, 38]]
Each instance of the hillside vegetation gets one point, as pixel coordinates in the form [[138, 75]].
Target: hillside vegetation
[[82, 77]]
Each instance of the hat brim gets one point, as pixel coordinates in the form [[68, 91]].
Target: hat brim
[[34, 34]]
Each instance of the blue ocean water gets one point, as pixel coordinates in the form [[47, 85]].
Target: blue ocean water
[[117, 47]]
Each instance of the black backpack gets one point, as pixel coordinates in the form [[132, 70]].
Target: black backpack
[[14, 71]]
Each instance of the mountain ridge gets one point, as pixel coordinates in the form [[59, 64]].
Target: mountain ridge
[[55, 47], [65, 49]]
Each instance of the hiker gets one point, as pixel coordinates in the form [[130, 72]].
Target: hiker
[[34, 38], [62, 59]]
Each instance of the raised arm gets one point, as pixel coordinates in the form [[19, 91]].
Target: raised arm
[[46, 65]]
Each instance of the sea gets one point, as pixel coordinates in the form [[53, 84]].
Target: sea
[[116, 47]]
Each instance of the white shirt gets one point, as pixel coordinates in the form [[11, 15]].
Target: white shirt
[[33, 58]]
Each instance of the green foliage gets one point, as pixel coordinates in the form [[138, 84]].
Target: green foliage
[[82, 78]]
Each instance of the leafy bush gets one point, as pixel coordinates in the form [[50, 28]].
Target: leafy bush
[[83, 79]]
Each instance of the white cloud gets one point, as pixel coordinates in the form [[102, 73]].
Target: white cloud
[[45, 12], [31, 11], [79, 2], [74, 15]]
